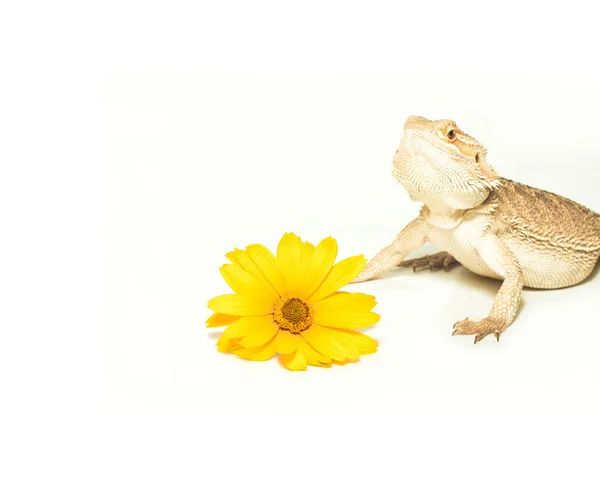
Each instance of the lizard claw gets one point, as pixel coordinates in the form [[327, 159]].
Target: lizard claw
[[480, 328]]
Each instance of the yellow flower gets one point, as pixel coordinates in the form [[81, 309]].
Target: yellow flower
[[290, 305]]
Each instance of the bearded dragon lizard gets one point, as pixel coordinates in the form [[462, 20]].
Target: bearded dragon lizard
[[491, 225]]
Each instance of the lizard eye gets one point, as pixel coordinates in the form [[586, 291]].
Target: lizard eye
[[451, 135]]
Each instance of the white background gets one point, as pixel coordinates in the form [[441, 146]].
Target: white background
[[142, 142]]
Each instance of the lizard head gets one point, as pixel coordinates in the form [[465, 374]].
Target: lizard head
[[440, 165]]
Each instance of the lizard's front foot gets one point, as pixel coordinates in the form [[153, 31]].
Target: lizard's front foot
[[481, 328], [434, 262]]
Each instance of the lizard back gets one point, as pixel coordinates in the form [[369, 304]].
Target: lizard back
[[550, 219]]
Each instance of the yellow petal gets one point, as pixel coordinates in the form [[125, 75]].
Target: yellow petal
[[340, 275], [246, 326], [344, 301], [220, 319], [307, 251], [228, 345], [339, 344], [346, 310], [318, 266], [320, 339], [359, 341], [244, 261], [261, 336], [313, 357], [265, 352], [241, 305], [294, 361], [266, 262], [289, 257], [286, 342], [240, 281], [347, 320]]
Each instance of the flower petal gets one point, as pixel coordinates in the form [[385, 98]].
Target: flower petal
[[220, 319], [339, 344], [344, 301], [240, 281], [340, 275], [320, 339], [286, 342], [307, 251], [264, 352], [318, 266], [294, 361], [313, 357], [346, 310], [289, 257], [241, 305], [244, 261], [246, 326], [261, 336], [359, 341], [228, 344], [266, 262]]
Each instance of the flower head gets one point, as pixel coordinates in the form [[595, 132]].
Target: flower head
[[289, 304]]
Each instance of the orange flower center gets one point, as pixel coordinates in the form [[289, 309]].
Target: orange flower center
[[293, 315]]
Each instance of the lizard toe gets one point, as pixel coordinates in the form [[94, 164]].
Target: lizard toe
[[481, 328]]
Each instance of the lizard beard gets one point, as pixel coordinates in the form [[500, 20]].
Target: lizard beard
[[442, 181]]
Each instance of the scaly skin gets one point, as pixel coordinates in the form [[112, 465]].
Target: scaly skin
[[493, 226]]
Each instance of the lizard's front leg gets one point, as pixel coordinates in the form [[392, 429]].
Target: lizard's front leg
[[506, 303], [411, 238]]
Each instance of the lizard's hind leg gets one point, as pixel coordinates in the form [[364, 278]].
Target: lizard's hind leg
[[434, 262]]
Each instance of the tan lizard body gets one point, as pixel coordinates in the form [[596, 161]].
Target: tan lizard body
[[493, 226]]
